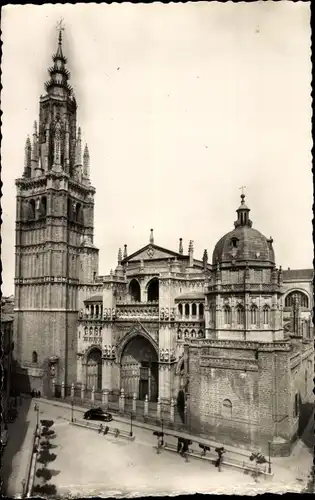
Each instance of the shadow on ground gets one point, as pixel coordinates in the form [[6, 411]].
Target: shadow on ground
[[306, 433], [17, 432]]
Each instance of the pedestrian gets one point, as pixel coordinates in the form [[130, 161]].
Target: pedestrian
[[218, 462], [38, 394], [100, 429], [179, 445]]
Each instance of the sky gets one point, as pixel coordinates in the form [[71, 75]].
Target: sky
[[181, 105]]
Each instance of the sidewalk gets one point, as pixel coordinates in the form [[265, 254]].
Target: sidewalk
[[17, 453]]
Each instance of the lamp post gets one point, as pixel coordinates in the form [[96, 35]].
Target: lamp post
[[269, 459], [71, 410], [162, 441], [130, 433]]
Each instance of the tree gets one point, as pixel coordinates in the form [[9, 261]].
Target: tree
[[47, 423], [45, 489], [44, 473], [46, 457]]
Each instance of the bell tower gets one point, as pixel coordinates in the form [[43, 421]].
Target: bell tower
[[54, 248]]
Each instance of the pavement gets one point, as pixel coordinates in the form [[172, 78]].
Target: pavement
[[290, 473], [91, 464], [17, 453]]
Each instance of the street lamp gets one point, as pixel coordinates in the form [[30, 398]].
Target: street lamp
[[130, 433]]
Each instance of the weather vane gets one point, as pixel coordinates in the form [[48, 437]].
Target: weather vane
[[60, 26], [242, 188]]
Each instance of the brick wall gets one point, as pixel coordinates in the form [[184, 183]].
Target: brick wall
[[258, 402]]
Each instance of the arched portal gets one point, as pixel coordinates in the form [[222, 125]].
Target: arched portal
[[94, 370], [139, 369], [153, 290], [134, 291]]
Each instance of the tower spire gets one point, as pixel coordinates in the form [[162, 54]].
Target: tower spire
[[59, 75]]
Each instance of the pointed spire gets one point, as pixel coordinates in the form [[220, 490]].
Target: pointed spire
[[243, 214], [35, 143], [86, 162], [119, 256], [205, 259], [151, 237], [191, 253], [180, 250], [59, 75], [78, 156], [125, 251], [27, 158]]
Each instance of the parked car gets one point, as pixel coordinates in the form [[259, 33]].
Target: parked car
[[98, 414]]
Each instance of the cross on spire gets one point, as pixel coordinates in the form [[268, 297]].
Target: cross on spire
[[60, 27], [242, 189]]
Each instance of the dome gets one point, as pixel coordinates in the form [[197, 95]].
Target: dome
[[243, 244]]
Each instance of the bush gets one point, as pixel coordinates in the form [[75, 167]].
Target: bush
[[46, 432], [44, 473], [47, 423], [46, 457], [45, 444], [45, 489]]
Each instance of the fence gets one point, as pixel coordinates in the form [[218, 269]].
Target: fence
[[158, 413]]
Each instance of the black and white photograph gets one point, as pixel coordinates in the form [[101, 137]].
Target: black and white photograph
[[157, 249]]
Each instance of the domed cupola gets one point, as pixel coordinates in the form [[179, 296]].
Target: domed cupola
[[244, 245]]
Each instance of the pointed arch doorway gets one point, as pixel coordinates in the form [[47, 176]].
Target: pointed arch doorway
[[94, 370], [139, 369]]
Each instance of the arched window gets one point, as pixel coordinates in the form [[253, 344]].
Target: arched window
[[92, 311], [186, 333], [227, 408], [227, 315], [134, 290], [78, 213], [240, 315], [200, 334], [153, 290], [193, 334], [43, 206], [302, 297], [194, 309], [253, 315], [31, 209], [186, 309], [180, 309], [70, 210], [34, 357], [179, 334], [97, 310], [85, 331], [201, 311], [266, 315], [96, 331]]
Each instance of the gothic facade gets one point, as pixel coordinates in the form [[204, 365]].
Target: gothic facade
[[234, 333]]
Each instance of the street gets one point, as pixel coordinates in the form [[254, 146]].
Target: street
[[89, 463]]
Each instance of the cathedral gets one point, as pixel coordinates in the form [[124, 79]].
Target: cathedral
[[233, 332]]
